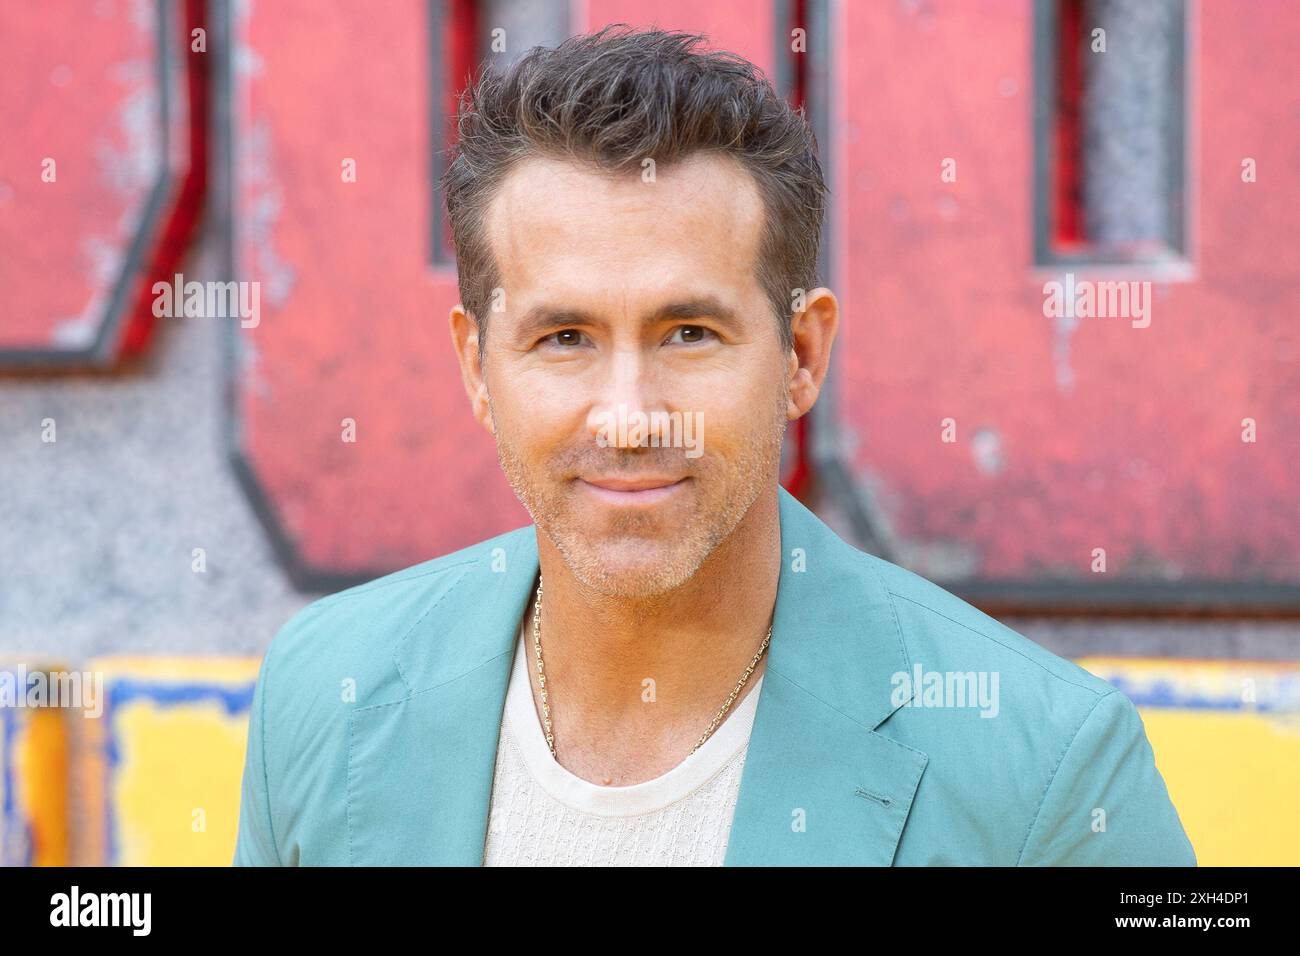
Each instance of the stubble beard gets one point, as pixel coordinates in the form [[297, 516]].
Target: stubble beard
[[729, 491]]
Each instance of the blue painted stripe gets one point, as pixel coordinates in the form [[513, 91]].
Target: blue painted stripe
[[1282, 696], [17, 835]]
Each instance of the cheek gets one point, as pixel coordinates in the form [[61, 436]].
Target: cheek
[[534, 420], [737, 412], [727, 436]]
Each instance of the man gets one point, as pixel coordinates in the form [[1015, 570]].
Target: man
[[678, 663]]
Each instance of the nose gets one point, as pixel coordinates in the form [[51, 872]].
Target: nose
[[629, 412]]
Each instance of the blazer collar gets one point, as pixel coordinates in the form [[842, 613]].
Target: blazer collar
[[820, 785]]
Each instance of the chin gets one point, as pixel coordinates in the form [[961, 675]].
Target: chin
[[633, 568]]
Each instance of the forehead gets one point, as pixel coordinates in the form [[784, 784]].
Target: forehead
[[561, 227]]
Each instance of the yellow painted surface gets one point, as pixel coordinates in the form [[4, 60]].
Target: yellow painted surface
[[41, 772], [231, 671], [1235, 779], [1234, 775], [174, 791], [36, 830]]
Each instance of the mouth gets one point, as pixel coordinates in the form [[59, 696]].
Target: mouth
[[634, 491]]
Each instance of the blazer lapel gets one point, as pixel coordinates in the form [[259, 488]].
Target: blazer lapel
[[420, 769], [820, 786]]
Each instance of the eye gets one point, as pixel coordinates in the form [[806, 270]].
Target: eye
[[690, 334], [565, 338]]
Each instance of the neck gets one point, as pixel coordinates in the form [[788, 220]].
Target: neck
[[694, 643]]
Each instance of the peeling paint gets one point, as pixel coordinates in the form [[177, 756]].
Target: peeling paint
[[986, 450], [1064, 327], [128, 164], [262, 197]]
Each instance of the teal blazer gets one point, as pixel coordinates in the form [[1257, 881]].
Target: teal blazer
[[374, 726]]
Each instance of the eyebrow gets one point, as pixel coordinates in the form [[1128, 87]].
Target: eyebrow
[[542, 317]]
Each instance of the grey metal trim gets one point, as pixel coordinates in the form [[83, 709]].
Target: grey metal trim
[[439, 255], [782, 68], [1202, 598], [1170, 264]]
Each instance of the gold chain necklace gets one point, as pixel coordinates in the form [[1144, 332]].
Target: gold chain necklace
[[541, 677]]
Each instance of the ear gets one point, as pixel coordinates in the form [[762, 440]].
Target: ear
[[464, 338], [809, 358]]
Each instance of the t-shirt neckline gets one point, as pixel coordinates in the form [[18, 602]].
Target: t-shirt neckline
[[525, 729]]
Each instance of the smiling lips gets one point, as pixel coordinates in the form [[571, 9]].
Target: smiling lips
[[633, 491]]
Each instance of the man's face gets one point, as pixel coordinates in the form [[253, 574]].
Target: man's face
[[626, 304]]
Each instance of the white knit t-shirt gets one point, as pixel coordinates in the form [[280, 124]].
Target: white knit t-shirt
[[543, 815]]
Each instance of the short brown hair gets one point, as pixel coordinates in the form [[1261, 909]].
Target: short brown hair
[[611, 99]]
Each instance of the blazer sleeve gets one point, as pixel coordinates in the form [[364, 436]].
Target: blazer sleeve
[[1106, 804], [255, 843]]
